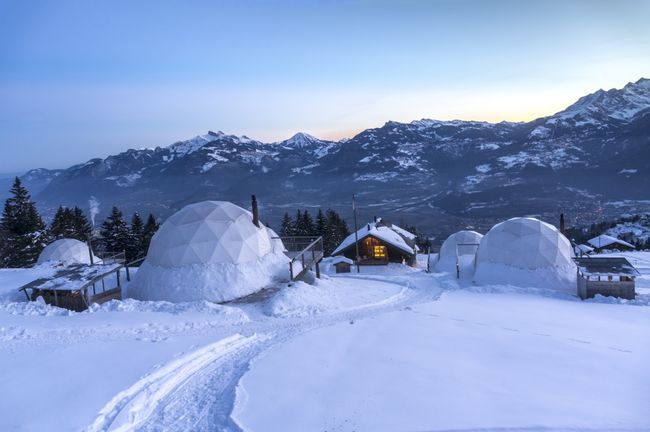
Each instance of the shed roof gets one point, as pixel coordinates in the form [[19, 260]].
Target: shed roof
[[604, 240], [606, 266], [341, 259], [71, 278]]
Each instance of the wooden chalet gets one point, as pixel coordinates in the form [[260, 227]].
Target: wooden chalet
[[380, 242]]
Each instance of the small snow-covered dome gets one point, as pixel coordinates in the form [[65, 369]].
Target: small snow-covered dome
[[524, 244], [65, 251], [210, 250], [460, 243]]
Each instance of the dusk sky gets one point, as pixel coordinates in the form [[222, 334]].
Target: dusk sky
[[83, 79]]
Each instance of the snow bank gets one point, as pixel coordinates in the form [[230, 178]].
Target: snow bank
[[561, 278], [34, 308], [331, 295], [235, 315], [215, 282]]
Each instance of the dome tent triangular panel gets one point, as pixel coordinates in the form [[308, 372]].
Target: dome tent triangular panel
[[67, 252], [210, 250], [525, 252]]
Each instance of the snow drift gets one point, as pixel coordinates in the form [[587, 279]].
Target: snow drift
[[211, 251], [66, 251], [460, 243], [525, 252]]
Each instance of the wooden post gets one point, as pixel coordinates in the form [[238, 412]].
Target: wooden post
[[291, 269], [128, 274], [356, 233], [317, 270]]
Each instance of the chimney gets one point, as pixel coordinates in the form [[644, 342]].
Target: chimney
[[562, 223], [256, 213]]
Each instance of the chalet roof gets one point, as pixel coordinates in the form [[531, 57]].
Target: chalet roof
[[388, 233], [606, 266], [604, 240]]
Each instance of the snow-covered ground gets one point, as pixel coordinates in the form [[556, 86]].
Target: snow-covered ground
[[390, 348]]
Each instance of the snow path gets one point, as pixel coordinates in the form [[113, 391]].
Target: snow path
[[140, 400], [197, 391]]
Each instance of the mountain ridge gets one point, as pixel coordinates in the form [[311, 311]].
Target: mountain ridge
[[425, 170]]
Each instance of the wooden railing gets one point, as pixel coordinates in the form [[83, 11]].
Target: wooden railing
[[305, 253]]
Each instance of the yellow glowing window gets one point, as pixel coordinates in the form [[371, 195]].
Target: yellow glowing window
[[380, 251]]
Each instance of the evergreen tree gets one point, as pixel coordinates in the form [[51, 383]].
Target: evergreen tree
[[307, 224], [23, 231], [149, 229], [115, 232], [82, 228], [320, 223], [297, 224], [336, 230], [69, 223], [61, 225], [286, 226], [136, 246]]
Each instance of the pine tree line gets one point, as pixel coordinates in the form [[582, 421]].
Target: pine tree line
[[23, 234], [134, 239], [329, 225]]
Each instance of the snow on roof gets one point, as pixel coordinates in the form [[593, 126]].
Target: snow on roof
[[341, 259], [605, 240], [606, 266], [390, 234], [583, 248]]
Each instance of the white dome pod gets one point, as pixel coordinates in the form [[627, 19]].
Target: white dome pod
[[463, 245], [66, 252], [210, 250], [525, 252]]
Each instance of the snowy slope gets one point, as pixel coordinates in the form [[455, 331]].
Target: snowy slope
[[467, 362], [390, 348]]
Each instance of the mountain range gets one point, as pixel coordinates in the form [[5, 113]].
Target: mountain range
[[588, 161]]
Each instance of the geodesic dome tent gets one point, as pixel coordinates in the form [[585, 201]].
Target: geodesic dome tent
[[210, 250], [525, 252], [66, 252], [461, 244]]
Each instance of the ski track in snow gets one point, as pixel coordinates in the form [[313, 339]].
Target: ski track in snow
[[197, 390]]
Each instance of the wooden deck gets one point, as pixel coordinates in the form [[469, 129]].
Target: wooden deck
[[78, 286]]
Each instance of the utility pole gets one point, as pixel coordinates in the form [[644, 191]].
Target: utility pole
[[356, 231]]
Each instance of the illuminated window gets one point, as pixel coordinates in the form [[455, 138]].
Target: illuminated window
[[379, 252]]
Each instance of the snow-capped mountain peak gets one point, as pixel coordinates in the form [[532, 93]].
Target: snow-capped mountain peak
[[618, 104], [300, 140]]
